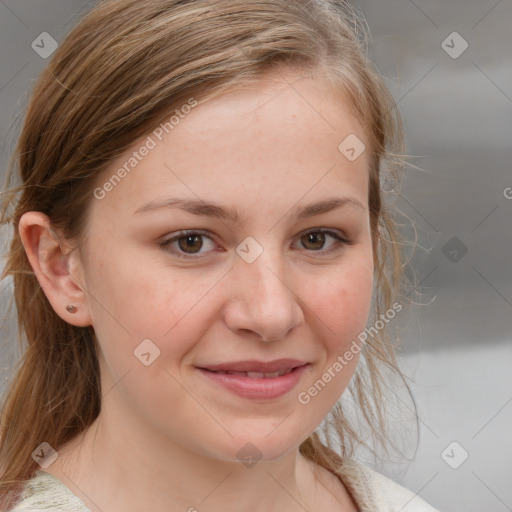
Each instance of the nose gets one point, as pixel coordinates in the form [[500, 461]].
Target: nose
[[262, 303]]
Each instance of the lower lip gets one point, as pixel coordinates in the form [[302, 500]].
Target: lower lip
[[257, 389]]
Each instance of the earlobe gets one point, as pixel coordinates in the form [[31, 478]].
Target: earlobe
[[50, 258]]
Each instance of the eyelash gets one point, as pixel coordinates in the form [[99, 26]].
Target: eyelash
[[338, 246]]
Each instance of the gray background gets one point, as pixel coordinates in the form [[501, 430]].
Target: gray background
[[458, 118]]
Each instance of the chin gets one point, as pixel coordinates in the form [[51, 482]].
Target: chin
[[250, 449]]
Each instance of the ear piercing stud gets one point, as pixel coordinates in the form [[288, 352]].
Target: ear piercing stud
[[71, 308]]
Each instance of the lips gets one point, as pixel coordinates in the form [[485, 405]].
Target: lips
[[254, 366], [256, 379], [256, 375]]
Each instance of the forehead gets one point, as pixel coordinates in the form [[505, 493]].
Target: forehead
[[278, 138]]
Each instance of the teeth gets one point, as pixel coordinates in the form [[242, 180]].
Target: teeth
[[258, 375]]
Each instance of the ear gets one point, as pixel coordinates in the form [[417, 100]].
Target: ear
[[56, 266]]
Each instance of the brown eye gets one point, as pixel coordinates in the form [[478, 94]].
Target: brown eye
[[186, 242], [190, 243], [314, 240]]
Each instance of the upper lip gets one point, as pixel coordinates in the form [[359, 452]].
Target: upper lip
[[256, 366]]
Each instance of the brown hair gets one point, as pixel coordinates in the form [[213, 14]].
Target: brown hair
[[123, 68]]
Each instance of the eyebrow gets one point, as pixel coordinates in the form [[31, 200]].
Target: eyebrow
[[212, 209]]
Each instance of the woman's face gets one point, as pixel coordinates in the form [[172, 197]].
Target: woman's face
[[272, 284]]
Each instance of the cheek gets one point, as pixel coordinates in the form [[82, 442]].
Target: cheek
[[340, 304], [131, 302], [341, 301]]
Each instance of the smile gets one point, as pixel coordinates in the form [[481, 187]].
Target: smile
[[256, 385], [256, 375]]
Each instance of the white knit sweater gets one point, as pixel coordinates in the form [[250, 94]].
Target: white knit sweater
[[372, 492]]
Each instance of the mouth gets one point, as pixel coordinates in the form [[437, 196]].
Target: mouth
[[255, 366], [253, 375], [256, 385]]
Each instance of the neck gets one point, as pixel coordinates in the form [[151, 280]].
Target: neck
[[157, 474]]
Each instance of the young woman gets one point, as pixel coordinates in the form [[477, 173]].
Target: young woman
[[200, 242]]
